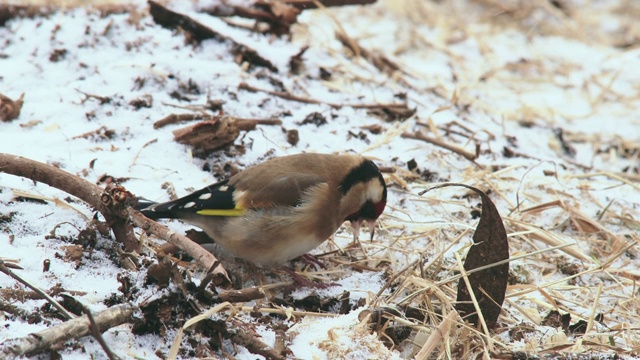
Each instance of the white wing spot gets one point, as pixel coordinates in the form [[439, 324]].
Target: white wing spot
[[205, 196], [188, 205], [223, 188]]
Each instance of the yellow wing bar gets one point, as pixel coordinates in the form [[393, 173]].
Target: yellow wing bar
[[222, 212]]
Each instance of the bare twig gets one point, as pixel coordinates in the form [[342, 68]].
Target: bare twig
[[250, 124], [178, 118], [379, 60], [98, 335], [21, 295], [242, 124], [313, 4], [418, 135], [51, 300], [101, 132], [289, 96]]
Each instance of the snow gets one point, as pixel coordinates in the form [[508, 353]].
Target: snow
[[489, 78]]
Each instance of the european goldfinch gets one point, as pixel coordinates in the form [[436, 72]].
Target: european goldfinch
[[284, 207]]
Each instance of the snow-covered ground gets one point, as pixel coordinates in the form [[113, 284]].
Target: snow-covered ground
[[550, 95]]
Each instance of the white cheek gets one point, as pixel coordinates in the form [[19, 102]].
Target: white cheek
[[374, 191]]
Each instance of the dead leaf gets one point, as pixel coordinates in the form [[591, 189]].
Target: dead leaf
[[490, 246], [10, 109], [208, 135]]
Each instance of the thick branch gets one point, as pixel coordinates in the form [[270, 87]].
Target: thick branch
[[199, 254], [74, 185], [72, 329], [95, 196]]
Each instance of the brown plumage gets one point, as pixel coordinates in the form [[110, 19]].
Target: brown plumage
[[284, 207]]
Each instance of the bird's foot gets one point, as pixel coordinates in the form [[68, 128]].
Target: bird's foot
[[312, 260], [302, 281]]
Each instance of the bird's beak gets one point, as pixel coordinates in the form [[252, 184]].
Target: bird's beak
[[372, 228], [355, 226]]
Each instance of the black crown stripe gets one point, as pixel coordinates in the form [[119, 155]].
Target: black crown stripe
[[360, 174]]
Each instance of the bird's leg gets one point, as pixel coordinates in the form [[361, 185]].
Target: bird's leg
[[303, 281], [355, 227], [312, 260]]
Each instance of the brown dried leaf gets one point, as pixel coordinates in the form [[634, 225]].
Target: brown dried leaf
[[490, 246], [286, 14], [10, 109], [160, 273], [208, 135], [73, 253]]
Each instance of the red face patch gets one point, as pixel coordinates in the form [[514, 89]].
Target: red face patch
[[369, 211], [379, 208]]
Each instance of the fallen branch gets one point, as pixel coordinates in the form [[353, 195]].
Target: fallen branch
[[243, 334], [111, 204], [92, 194], [72, 329], [171, 19]]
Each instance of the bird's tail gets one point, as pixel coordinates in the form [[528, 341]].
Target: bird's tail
[[151, 209]]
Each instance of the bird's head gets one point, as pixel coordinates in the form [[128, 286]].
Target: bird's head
[[364, 196]]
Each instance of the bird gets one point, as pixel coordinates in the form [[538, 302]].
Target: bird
[[284, 207]]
